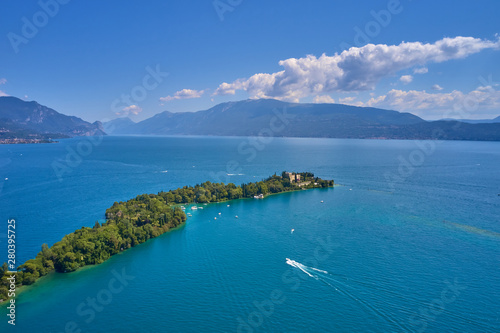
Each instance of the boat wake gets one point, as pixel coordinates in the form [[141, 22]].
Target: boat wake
[[341, 287], [298, 265], [346, 289]]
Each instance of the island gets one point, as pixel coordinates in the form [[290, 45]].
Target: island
[[137, 220]]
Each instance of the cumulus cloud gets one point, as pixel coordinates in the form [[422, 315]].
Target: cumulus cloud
[[350, 101], [482, 98], [406, 79], [355, 69], [132, 109], [323, 99], [436, 87], [421, 70], [183, 94]]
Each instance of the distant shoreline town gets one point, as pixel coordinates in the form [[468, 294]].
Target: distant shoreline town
[[24, 141]]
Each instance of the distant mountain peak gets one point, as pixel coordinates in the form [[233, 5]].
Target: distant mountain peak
[[32, 117], [253, 117]]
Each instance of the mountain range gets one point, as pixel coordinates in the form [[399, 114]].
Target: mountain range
[[276, 118], [24, 119], [264, 117], [476, 121]]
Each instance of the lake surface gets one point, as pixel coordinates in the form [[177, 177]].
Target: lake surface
[[410, 242]]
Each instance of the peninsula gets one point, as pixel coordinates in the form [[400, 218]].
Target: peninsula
[[137, 220]]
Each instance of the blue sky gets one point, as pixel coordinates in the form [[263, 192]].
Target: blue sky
[[85, 57]]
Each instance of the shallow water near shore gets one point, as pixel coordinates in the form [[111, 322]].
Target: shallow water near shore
[[397, 248]]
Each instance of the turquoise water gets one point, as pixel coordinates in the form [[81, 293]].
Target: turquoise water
[[375, 256]]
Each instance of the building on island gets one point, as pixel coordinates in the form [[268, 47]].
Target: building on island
[[294, 177]]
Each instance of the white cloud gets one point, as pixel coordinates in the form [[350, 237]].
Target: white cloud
[[436, 87], [356, 69], [229, 89], [2, 94], [441, 105], [132, 109], [406, 79], [350, 101], [183, 94], [323, 99], [421, 70]]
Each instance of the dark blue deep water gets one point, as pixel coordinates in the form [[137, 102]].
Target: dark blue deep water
[[409, 243]]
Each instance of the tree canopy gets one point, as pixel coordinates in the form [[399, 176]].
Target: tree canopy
[[137, 220]]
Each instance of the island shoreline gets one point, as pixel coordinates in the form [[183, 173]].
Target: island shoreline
[[149, 216]]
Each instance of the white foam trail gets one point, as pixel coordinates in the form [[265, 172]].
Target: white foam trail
[[303, 267], [378, 312], [319, 270], [295, 264]]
